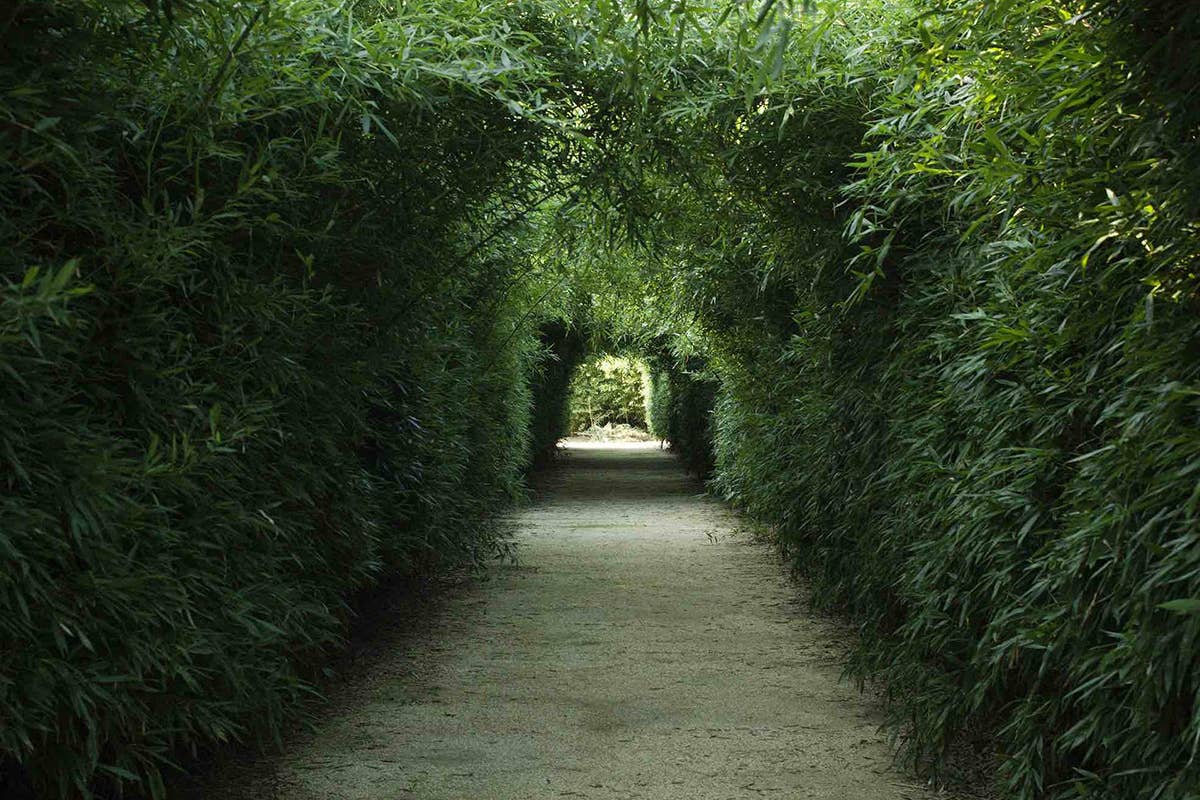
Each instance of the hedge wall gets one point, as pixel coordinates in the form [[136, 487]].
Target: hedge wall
[[955, 325], [234, 390]]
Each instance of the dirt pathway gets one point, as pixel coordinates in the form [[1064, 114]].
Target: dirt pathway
[[642, 648]]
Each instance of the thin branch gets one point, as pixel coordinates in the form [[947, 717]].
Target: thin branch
[[521, 322], [219, 79], [508, 223]]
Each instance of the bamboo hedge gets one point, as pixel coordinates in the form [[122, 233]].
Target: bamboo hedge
[[251, 353], [953, 319]]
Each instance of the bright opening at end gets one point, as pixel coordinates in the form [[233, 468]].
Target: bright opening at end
[[579, 443], [609, 404]]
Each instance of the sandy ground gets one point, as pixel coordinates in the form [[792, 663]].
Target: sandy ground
[[643, 647]]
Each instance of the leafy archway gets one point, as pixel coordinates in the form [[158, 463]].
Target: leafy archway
[[292, 293]]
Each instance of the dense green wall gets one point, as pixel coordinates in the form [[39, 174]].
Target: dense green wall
[[251, 359], [564, 348], [681, 406], [956, 329]]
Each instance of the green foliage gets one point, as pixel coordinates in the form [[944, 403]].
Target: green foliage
[[259, 344], [564, 348], [958, 371], [290, 295], [608, 390], [681, 412], [658, 405]]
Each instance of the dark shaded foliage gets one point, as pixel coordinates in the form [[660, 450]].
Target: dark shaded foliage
[[681, 412], [564, 348], [973, 420], [234, 390]]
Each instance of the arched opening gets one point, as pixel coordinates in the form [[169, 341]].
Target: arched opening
[[609, 399]]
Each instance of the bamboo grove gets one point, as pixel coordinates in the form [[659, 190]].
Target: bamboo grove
[[291, 293]]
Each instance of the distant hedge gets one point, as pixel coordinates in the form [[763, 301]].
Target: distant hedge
[[563, 348], [681, 412], [607, 390]]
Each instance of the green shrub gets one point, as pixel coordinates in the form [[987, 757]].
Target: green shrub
[[959, 371], [681, 412], [564, 348], [658, 404], [251, 352], [608, 390]]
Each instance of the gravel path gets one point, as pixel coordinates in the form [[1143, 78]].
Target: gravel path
[[643, 647]]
